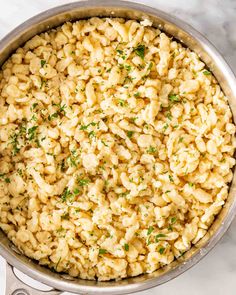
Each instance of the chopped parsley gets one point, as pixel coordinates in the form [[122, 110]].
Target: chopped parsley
[[122, 103], [140, 50], [34, 118], [42, 62], [161, 250], [102, 251], [151, 150], [150, 230], [121, 53], [32, 132], [165, 126], [34, 105], [61, 110], [126, 246], [53, 116], [128, 68], [73, 160], [173, 98], [65, 216], [133, 119], [66, 195], [137, 94], [19, 171], [150, 66], [206, 73], [76, 191], [171, 178], [168, 115], [103, 142], [91, 134], [122, 195], [85, 127], [190, 184], [83, 181], [181, 139], [173, 220], [14, 143], [159, 236], [130, 133]]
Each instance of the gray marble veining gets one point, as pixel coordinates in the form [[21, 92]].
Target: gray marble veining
[[216, 19]]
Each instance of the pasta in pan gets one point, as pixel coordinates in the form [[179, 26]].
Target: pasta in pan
[[116, 148]]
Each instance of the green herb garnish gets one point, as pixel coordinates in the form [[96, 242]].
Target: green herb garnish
[[65, 216], [103, 142], [137, 94], [32, 132], [168, 115], [53, 116], [150, 66], [42, 62], [76, 191], [173, 98], [206, 73], [171, 178], [150, 230], [130, 133], [102, 251], [151, 150], [173, 220], [85, 127], [140, 50], [126, 246], [34, 105], [165, 126], [161, 250], [66, 194], [122, 103], [159, 236], [91, 134], [83, 181], [128, 68]]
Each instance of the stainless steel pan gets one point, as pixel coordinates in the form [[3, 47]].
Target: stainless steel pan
[[191, 38]]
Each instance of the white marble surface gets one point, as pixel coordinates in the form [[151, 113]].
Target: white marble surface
[[216, 19]]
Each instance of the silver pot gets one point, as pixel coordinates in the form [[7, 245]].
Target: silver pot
[[191, 38]]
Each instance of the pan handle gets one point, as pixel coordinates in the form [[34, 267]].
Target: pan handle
[[14, 286]]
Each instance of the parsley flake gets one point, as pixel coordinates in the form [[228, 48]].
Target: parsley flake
[[102, 251], [126, 246], [151, 150], [161, 250], [83, 181], [42, 62], [159, 236], [206, 73], [150, 230], [32, 132], [171, 178], [130, 133], [140, 50], [173, 98], [66, 194]]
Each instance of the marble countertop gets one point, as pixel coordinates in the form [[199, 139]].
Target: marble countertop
[[216, 19]]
